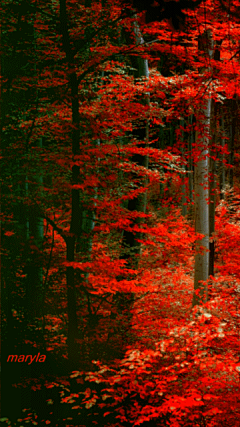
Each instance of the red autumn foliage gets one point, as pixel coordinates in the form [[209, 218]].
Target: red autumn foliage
[[179, 368]]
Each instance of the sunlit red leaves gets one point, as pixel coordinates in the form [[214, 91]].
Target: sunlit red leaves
[[147, 374], [108, 108], [104, 276], [227, 236]]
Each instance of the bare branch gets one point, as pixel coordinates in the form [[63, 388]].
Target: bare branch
[[55, 227]]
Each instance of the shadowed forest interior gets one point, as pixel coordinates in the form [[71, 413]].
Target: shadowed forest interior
[[120, 213]]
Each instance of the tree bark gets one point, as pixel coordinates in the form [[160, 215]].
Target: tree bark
[[212, 174], [35, 234], [82, 220], [183, 176], [201, 195], [202, 219], [231, 142], [212, 193], [190, 170], [131, 247], [222, 180], [75, 210]]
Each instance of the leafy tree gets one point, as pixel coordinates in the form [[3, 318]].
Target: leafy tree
[[107, 184]]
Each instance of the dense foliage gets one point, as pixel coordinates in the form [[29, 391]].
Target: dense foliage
[[103, 129]]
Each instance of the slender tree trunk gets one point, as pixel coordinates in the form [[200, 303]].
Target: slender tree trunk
[[82, 221], [130, 240], [231, 143], [212, 193], [190, 169], [183, 177], [202, 218], [141, 133], [72, 305], [131, 247], [75, 225], [35, 234], [222, 180], [34, 225], [212, 174], [201, 197]]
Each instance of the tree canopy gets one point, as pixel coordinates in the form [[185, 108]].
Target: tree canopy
[[120, 212]]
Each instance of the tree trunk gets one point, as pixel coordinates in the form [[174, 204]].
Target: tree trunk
[[222, 180], [82, 221], [190, 170], [212, 175], [131, 247], [75, 211], [212, 193], [35, 234], [231, 142], [140, 132], [201, 196], [183, 176], [71, 305], [202, 218]]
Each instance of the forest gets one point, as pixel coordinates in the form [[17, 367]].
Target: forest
[[120, 213]]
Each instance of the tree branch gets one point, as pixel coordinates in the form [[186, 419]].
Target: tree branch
[[55, 227]]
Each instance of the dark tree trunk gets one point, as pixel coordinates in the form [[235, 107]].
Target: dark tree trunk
[[82, 221], [231, 144], [35, 235], [222, 180], [183, 176], [140, 132], [72, 305], [131, 247], [190, 169], [75, 211], [212, 191]]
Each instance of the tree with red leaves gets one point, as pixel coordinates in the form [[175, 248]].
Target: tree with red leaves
[[108, 93]]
